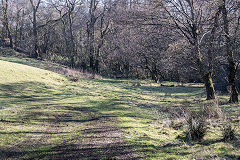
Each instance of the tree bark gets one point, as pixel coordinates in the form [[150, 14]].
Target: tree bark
[[72, 45], [209, 85], [232, 67], [91, 32], [207, 77], [35, 34], [6, 22]]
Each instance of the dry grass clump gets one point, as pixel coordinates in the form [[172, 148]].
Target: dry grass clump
[[229, 132], [136, 84], [213, 110], [73, 79], [196, 124], [197, 128]]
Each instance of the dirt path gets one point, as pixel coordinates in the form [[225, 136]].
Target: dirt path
[[102, 139]]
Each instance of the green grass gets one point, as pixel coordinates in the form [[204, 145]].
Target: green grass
[[41, 111]]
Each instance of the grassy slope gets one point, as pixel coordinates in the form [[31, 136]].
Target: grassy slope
[[41, 110]]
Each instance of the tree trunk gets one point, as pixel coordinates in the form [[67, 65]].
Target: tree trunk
[[17, 27], [232, 68], [232, 82], [91, 46], [155, 74], [6, 23], [91, 32], [207, 77], [21, 33], [96, 65], [96, 68], [209, 86], [72, 49], [72, 45], [64, 35], [35, 34], [35, 41]]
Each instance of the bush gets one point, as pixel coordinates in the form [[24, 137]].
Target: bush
[[196, 124], [73, 79], [228, 133], [212, 110], [196, 128]]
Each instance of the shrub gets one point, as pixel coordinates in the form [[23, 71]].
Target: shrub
[[73, 79], [228, 133], [196, 124], [196, 128], [213, 110]]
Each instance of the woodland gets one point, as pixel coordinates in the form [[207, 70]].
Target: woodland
[[119, 79]]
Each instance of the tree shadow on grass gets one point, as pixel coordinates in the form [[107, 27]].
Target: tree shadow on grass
[[102, 141], [107, 142], [91, 146], [27, 92], [98, 141], [37, 96], [73, 152]]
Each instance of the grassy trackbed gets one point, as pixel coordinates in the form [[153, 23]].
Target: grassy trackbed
[[43, 115]]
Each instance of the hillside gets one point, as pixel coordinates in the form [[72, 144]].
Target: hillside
[[45, 115]]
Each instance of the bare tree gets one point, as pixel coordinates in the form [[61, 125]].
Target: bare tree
[[188, 17], [232, 66], [103, 29], [35, 7], [5, 21], [91, 31]]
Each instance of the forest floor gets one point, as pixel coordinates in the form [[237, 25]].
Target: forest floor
[[45, 115]]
